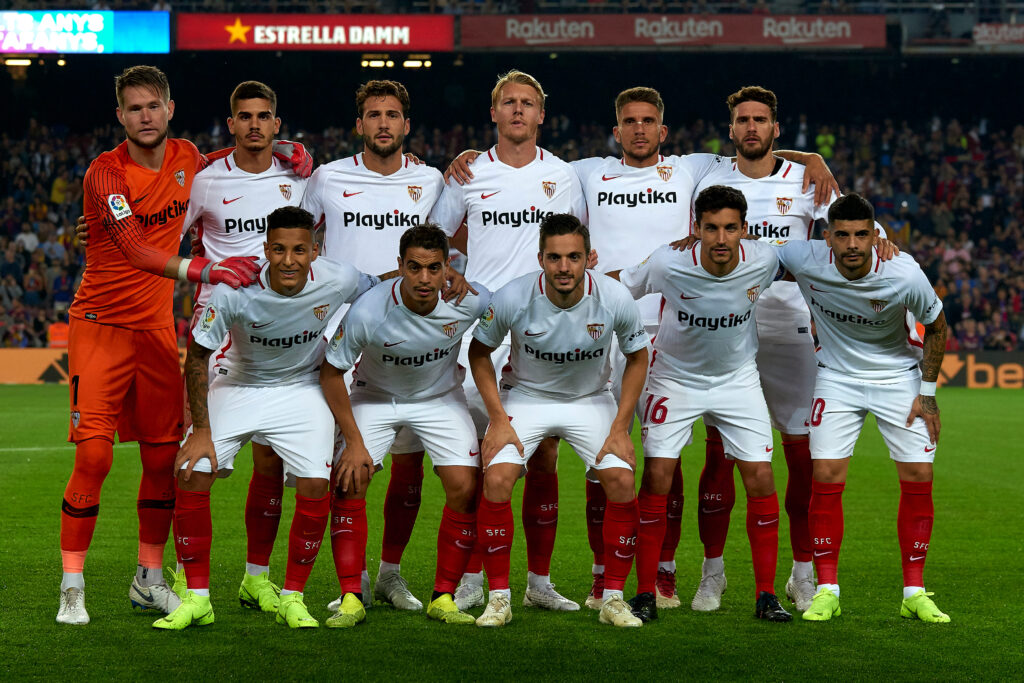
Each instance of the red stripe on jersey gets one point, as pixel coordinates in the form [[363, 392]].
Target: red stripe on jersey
[[743, 253], [878, 261], [661, 309], [786, 172], [810, 227], [227, 163], [541, 153], [918, 328], [355, 159], [224, 349], [590, 287], [661, 157], [734, 165], [540, 282], [311, 278], [259, 279], [693, 250], [489, 155], [830, 256], [393, 297]]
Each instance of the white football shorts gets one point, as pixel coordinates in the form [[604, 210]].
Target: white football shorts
[[499, 359], [293, 419], [442, 424], [405, 440], [841, 404], [583, 422], [787, 378], [733, 403]]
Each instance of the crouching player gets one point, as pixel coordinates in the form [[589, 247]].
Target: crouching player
[[266, 386], [562, 321], [408, 376]]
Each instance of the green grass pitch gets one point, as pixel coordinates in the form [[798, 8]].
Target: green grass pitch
[[975, 566]]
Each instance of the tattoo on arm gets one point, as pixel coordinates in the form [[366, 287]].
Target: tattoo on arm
[[929, 406], [197, 380], [934, 348]]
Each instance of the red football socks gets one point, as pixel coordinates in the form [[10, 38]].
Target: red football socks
[[620, 528], [262, 517], [456, 538], [596, 501], [401, 505], [798, 497], [81, 504], [717, 492], [305, 537], [673, 516], [825, 516], [540, 519], [495, 529], [914, 526], [763, 532], [193, 536], [650, 536], [348, 542], [155, 504]]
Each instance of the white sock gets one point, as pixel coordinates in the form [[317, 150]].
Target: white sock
[[256, 569], [909, 591], [507, 592], [285, 591], [597, 569], [477, 579], [669, 566], [149, 576], [608, 593], [834, 587], [803, 570], [388, 568], [713, 565], [72, 581], [364, 577], [201, 592], [536, 580], [178, 567]]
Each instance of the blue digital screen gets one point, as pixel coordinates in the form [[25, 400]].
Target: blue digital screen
[[85, 32]]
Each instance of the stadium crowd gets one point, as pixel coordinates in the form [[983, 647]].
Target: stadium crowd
[[951, 193]]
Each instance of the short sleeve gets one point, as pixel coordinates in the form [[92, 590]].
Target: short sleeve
[[217, 318], [497, 317], [629, 326], [645, 277], [920, 297], [450, 209], [347, 342], [312, 197]]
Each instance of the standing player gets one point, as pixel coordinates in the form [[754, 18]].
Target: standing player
[[408, 376], [868, 362], [267, 387], [704, 366], [561, 322], [366, 202], [227, 211], [135, 201], [517, 185]]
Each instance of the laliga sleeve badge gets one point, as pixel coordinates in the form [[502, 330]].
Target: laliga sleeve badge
[[208, 318], [118, 206], [336, 339], [488, 316]]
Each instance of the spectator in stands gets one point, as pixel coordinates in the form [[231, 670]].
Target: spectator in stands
[[27, 239]]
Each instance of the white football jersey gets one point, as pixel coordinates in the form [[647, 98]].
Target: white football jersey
[[707, 327], [561, 353], [229, 207], [274, 339], [632, 211], [365, 213], [503, 207], [862, 324], [405, 355]]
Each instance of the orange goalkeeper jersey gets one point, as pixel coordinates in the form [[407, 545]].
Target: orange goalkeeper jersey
[[135, 218]]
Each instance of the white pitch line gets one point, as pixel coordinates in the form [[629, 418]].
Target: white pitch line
[[68, 447]]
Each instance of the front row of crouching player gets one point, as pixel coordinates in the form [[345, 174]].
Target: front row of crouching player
[[402, 340]]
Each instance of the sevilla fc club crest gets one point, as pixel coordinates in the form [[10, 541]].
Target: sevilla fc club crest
[[595, 330], [286, 191], [784, 204], [549, 188], [179, 175], [753, 292], [76, 417], [665, 172], [415, 192], [451, 328], [321, 311], [877, 304]]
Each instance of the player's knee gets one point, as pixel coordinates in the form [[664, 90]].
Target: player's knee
[[407, 459], [311, 487], [619, 484], [545, 458], [266, 461], [498, 483], [758, 478], [830, 471], [658, 475], [94, 458], [914, 471]]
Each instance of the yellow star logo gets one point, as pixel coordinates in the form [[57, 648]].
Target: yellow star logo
[[237, 31]]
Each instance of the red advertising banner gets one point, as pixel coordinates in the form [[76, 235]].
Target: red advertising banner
[[785, 31], [1007, 36], [359, 32]]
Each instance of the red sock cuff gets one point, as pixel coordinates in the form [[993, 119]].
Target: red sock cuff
[[764, 505], [652, 501], [916, 487], [459, 517], [824, 489], [620, 512], [406, 471], [315, 507], [187, 501], [345, 504]]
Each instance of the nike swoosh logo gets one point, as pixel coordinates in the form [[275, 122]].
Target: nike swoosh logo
[[819, 554], [145, 596], [474, 454], [687, 298], [271, 514], [341, 531], [648, 521], [484, 195], [257, 326], [346, 194], [761, 522], [307, 561], [547, 521], [464, 547], [624, 557], [768, 449], [610, 177], [407, 504], [534, 334], [674, 516], [492, 549], [929, 450], [187, 559], [597, 521], [228, 201], [388, 345], [915, 558], [707, 511], [819, 290]]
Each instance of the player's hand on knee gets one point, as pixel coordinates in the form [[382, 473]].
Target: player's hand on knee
[[296, 156], [818, 174], [926, 408], [684, 244], [458, 287], [82, 231], [497, 437], [618, 444], [355, 469], [199, 445], [459, 168]]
